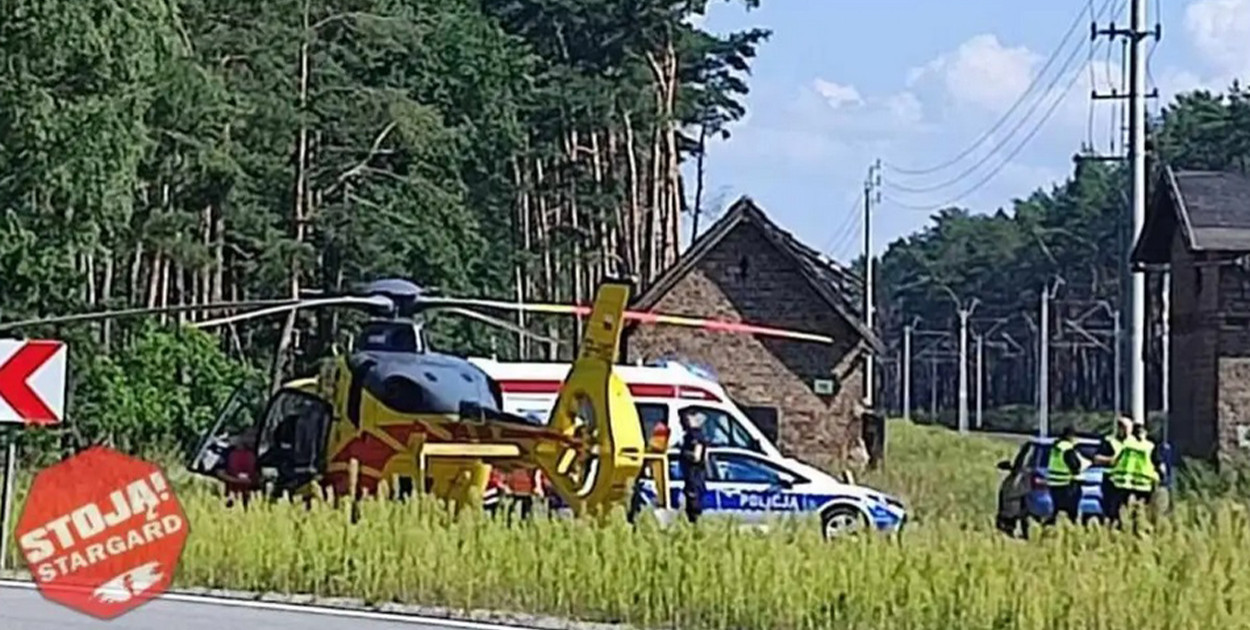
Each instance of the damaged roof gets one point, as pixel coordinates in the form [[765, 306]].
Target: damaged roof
[[1211, 208], [835, 283]]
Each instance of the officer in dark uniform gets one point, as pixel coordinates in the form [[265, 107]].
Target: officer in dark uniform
[[693, 463]]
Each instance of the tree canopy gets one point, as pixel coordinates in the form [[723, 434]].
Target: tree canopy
[[181, 153], [1079, 233]]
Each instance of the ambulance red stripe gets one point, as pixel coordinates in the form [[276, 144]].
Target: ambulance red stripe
[[639, 390]]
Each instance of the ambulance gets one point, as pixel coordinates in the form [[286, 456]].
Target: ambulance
[[661, 391]]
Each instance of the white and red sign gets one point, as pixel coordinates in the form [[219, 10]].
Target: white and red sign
[[32, 381], [102, 532]]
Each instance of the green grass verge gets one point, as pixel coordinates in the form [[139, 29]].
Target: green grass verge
[[950, 571]]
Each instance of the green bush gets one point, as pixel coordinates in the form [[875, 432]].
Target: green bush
[[153, 397]]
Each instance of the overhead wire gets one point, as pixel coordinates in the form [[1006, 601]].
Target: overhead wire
[[1007, 138], [848, 237], [849, 225], [1003, 119], [1041, 123], [1150, 55]]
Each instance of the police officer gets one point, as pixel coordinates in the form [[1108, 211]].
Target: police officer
[[693, 463], [1135, 470], [1062, 472], [1112, 495]]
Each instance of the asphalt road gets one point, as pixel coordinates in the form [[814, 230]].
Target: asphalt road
[[25, 609]]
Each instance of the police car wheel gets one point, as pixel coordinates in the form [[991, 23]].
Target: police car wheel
[[841, 521]]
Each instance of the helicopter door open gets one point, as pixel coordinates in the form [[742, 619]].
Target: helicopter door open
[[292, 438], [236, 415]]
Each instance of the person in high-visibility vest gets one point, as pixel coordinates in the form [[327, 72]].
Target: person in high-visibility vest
[[1063, 475], [1135, 471], [1112, 495]]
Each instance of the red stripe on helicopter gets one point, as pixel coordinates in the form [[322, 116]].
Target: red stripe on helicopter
[[638, 390]]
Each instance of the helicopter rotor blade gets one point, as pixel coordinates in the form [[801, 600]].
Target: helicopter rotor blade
[[377, 301], [501, 323], [134, 312], [641, 317]]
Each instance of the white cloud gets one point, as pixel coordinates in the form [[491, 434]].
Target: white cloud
[[981, 72], [1220, 31], [834, 106], [836, 94], [905, 107]]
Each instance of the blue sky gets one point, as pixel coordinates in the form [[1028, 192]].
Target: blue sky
[[917, 83]]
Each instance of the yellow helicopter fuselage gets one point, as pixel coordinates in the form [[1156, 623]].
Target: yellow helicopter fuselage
[[591, 449]]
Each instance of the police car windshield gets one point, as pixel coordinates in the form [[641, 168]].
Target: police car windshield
[[720, 429]]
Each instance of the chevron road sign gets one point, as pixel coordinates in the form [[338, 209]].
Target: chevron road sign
[[32, 381]]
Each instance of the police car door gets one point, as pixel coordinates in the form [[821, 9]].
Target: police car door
[[751, 488]]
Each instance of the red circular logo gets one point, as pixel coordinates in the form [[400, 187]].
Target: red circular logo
[[102, 532]]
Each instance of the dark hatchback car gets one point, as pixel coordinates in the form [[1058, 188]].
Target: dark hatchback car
[[1023, 495]]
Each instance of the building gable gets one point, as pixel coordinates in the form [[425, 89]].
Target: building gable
[[1210, 209], [833, 284]]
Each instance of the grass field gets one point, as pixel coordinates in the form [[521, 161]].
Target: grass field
[[951, 570]]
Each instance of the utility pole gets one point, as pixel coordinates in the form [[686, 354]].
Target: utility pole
[[964, 313], [1119, 365], [871, 184], [1137, 152], [933, 387], [1136, 36], [1043, 370], [907, 372], [980, 376]]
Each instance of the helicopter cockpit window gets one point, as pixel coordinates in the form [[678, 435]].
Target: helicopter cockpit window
[[388, 337], [293, 433]]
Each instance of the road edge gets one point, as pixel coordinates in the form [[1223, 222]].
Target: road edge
[[356, 608]]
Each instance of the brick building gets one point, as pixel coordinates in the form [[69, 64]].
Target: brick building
[[746, 268], [1197, 232]]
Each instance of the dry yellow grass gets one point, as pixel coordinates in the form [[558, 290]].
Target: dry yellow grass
[[951, 571]]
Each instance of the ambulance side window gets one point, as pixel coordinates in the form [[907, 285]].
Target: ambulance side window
[[651, 414], [721, 429]]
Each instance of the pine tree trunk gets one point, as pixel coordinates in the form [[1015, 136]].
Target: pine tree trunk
[[576, 260], [697, 210], [633, 223], [106, 296], [521, 231], [544, 232], [297, 215]]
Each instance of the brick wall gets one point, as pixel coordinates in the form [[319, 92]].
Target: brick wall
[[1192, 350], [746, 278], [1234, 364]]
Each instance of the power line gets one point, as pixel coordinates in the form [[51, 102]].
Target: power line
[[1019, 101], [848, 237], [849, 225], [1041, 123], [1002, 143]]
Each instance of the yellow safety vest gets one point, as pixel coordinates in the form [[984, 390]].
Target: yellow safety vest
[[1133, 468], [1057, 471]]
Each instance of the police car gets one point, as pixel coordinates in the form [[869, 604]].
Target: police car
[[754, 489], [749, 477]]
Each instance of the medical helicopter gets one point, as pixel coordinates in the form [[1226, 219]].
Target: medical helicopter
[[393, 412]]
